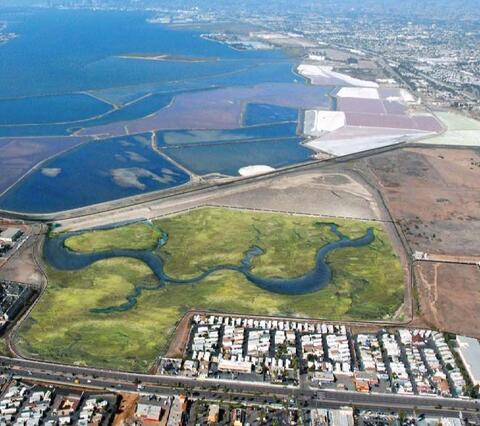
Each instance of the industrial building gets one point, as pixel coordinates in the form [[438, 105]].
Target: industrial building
[[469, 351], [10, 235]]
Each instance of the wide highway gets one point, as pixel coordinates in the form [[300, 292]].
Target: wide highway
[[211, 389]]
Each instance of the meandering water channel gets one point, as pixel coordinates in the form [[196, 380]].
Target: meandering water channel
[[60, 257]]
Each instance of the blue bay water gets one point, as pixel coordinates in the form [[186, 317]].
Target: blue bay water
[[137, 109], [65, 51], [50, 109], [61, 55], [93, 173], [197, 137], [228, 158], [60, 52]]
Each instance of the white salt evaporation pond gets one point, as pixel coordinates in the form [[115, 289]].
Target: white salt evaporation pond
[[462, 131], [365, 115]]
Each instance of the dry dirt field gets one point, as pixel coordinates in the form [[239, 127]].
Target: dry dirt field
[[434, 194], [327, 193], [126, 409], [449, 296], [179, 342]]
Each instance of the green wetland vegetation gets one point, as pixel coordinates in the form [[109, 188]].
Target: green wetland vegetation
[[367, 283], [137, 236]]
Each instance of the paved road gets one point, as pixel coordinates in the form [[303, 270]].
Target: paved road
[[222, 389]]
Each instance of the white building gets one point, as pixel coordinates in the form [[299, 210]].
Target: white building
[[10, 235], [469, 350], [341, 417]]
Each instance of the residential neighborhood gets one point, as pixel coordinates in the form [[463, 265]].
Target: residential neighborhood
[[330, 356], [24, 404]]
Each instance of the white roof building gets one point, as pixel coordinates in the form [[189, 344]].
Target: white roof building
[[469, 350], [10, 235]]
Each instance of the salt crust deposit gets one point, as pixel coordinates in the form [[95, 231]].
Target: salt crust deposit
[[404, 96], [358, 92], [317, 121], [407, 96], [324, 71], [255, 170], [339, 147], [338, 133]]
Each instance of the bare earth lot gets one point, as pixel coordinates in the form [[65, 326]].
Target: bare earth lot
[[435, 196], [320, 193], [449, 296]]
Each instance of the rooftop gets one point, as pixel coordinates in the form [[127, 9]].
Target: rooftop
[[469, 350], [9, 233]]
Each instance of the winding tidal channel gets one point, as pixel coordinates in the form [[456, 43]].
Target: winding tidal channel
[[60, 257]]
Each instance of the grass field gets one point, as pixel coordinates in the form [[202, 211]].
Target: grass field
[[137, 236], [215, 236], [367, 284], [4, 351]]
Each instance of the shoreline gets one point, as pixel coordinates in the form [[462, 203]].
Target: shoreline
[[166, 58]]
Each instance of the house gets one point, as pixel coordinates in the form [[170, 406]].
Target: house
[[238, 417], [371, 379], [66, 405], [361, 386], [177, 411], [235, 366], [213, 413], [149, 410]]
